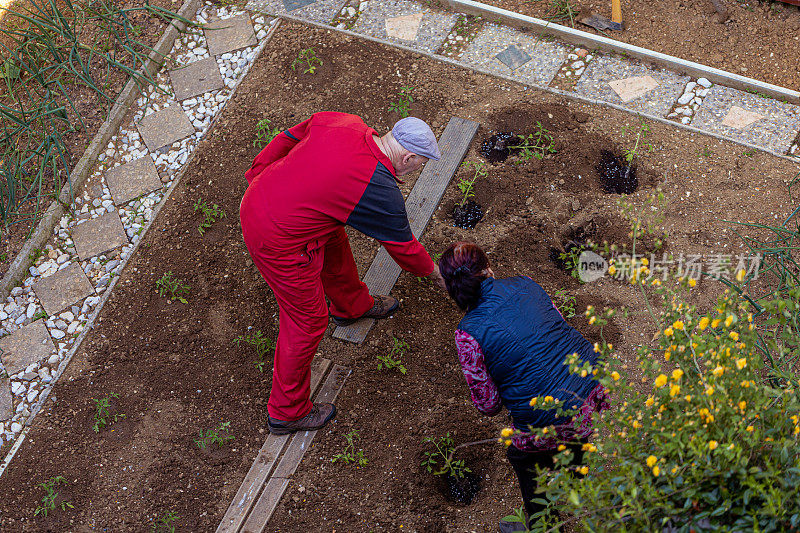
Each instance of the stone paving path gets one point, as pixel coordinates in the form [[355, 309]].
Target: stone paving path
[[45, 318]]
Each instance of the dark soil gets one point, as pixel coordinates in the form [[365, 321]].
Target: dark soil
[[177, 369], [468, 215], [463, 489], [615, 175]]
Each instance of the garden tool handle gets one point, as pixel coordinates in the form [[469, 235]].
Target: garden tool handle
[[616, 11]]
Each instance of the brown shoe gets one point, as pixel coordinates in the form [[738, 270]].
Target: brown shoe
[[318, 417], [382, 307]]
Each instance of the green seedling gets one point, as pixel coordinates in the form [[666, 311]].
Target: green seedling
[[40, 314], [565, 303], [749, 153], [394, 359], [440, 461], [705, 152], [307, 60], [164, 523], [48, 502], [404, 99], [35, 254], [211, 213], [102, 416], [265, 133], [172, 288], [518, 517], [537, 144], [218, 436], [349, 455], [641, 136], [571, 259], [261, 343], [467, 185]]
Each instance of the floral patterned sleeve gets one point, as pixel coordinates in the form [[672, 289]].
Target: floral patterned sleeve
[[483, 391]]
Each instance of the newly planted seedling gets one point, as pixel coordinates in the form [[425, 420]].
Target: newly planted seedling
[[164, 523], [536, 144], [404, 99], [571, 261], [440, 461], [565, 303], [394, 359], [172, 288], [307, 60], [349, 455], [216, 437], [48, 502], [102, 416], [641, 138], [211, 213], [265, 133], [467, 185], [262, 344]]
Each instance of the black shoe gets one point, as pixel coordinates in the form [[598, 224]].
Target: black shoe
[[318, 417], [509, 527], [382, 307]]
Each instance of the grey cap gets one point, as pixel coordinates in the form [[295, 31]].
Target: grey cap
[[416, 136]]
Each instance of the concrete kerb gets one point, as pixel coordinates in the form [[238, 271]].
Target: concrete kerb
[[566, 94], [592, 41], [127, 97]]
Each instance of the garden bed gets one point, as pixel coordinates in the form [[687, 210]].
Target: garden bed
[[177, 369]]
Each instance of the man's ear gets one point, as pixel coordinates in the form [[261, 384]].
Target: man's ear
[[407, 157]]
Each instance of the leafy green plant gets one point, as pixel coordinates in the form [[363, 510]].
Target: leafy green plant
[[172, 288], [440, 461], [218, 436], [467, 185], [102, 416], [404, 100], [536, 144], [518, 517], [265, 133], [394, 359], [40, 314], [349, 455], [641, 138], [571, 259], [262, 344], [307, 60], [48, 502], [164, 523], [211, 213], [565, 303], [562, 11]]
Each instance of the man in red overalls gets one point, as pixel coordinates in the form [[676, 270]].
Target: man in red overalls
[[310, 181]]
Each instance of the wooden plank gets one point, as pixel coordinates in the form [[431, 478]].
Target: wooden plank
[[262, 466], [268, 501], [420, 205]]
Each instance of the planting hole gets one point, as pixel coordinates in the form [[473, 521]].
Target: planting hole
[[615, 175]]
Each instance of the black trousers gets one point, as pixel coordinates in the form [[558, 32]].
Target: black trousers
[[524, 464]]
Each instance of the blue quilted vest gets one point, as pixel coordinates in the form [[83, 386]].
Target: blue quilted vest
[[525, 342]]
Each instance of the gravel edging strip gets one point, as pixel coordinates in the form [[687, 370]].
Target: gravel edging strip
[[574, 36], [567, 94], [126, 99]]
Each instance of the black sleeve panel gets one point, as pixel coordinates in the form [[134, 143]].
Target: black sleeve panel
[[381, 211]]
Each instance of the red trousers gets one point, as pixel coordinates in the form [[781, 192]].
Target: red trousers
[[301, 279]]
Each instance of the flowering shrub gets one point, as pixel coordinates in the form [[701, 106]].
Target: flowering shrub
[[705, 438]]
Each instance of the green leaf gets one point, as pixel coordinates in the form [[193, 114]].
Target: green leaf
[[574, 498]]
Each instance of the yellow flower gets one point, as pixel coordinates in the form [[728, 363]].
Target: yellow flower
[[796, 430], [667, 355], [612, 270], [703, 323], [742, 405], [740, 364], [678, 324], [656, 282], [749, 428], [584, 373], [709, 391], [712, 445], [668, 332], [615, 375], [651, 461], [584, 470], [661, 380], [656, 471], [649, 401], [592, 320], [506, 432], [729, 321], [740, 276], [636, 424], [548, 399], [744, 383], [674, 469], [610, 346], [718, 371], [674, 390], [688, 397], [734, 335], [709, 419], [597, 347], [677, 374], [715, 322], [692, 282], [645, 262], [561, 447], [507, 442]]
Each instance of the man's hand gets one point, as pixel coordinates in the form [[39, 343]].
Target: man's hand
[[436, 277]]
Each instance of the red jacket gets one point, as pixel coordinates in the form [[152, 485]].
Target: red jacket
[[320, 174]]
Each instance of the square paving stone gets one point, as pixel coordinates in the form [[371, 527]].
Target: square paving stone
[[99, 235], [133, 179], [502, 50], [196, 78], [775, 131], [320, 11], [63, 288], [6, 400], [27, 345], [605, 73], [400, 15], [230, 34], [164, 127]]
